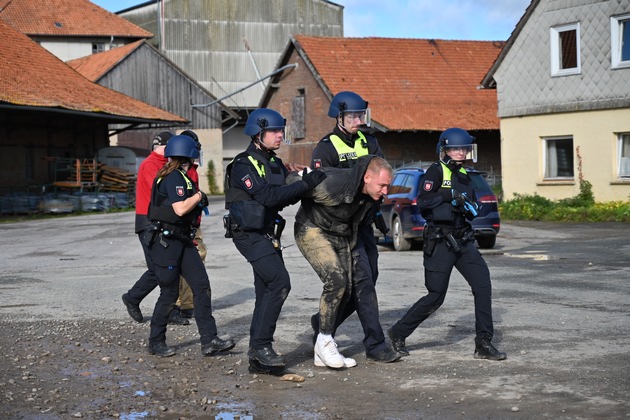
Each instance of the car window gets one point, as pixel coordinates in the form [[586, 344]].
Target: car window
[[409, 184], [479, 184], [399, 184]]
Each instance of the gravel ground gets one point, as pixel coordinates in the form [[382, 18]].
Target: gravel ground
[[70, 350]]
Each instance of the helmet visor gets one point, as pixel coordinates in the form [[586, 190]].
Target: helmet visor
[[364, 116], [469, 152]]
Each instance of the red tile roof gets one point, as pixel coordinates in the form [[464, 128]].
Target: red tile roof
[[31, 76], [411, 84], [96, 65], [66, 18]]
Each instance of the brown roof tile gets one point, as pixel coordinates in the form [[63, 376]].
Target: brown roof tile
[[31, 76], [96, 65], [411, 84], [66, 18]]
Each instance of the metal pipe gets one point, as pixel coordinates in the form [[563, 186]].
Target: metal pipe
[[281, 69]]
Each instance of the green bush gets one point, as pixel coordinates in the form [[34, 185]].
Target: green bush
[[212, 179], [581, 208]]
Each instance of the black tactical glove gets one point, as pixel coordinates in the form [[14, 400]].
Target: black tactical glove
[[379, 222], [313, 178], [204, 200]]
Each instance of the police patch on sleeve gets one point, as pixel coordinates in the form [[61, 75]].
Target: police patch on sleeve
[[180, 190], [247, 180], [428, 185], [317, 163]]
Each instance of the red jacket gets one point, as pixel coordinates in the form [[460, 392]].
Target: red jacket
[[146, 175]]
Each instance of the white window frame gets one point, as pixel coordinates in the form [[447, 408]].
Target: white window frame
[[547, 154], [616, 34], [554, 34], [623, 167]]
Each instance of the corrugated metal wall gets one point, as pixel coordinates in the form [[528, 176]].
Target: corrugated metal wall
[[207, 38], [152, 79]]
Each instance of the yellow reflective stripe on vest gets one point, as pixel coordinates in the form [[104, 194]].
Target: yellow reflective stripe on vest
[[189, 185], [259, 168], [346, 152], [447, 174]]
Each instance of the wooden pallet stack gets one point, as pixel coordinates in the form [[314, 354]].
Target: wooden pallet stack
[[117, 180]]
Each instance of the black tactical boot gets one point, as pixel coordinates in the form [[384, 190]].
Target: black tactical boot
[[132, 309], [217, 345], [161, 349], [266, 356], [386, 356], [398, 343], [485, 350], [256, 367], [175, 318], [187, 313]]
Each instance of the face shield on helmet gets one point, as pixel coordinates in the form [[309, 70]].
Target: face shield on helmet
[[265, 119], [351, 107], [456, 144]]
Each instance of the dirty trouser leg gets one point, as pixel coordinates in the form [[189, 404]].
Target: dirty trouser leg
[[331, 259]]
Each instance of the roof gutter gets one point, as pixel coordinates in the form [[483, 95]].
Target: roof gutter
[[111, 118]]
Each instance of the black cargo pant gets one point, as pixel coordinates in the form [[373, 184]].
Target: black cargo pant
[[147, 282], [437, 272], [271, 284], [168, 263]]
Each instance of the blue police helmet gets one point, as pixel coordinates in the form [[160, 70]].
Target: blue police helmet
[[346, 102], [181, 146], [454, 137], [264, 119]]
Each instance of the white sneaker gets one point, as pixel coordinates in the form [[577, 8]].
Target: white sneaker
[[328, 354], [347, 361]]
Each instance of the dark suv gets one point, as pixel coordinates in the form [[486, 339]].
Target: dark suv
[[402, 217]]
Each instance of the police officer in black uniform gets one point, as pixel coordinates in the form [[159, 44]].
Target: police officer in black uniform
[[340, 149], [174, 212], [447, 201], [255, 193]]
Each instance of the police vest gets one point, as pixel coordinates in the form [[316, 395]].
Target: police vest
[[161, 208], [447, 175], [347, 153]]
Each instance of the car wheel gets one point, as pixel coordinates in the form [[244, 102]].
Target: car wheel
[[487, 241], [400, 243]]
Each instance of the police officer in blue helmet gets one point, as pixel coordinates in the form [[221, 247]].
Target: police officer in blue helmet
[[255, 195], [174, 210], [447, 201]]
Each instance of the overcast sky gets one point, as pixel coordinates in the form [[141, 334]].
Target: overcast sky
[[489, 20]]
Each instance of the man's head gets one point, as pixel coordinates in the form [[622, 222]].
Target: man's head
[[266, 128], [160, 140], [350, 111], [377, 178]]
